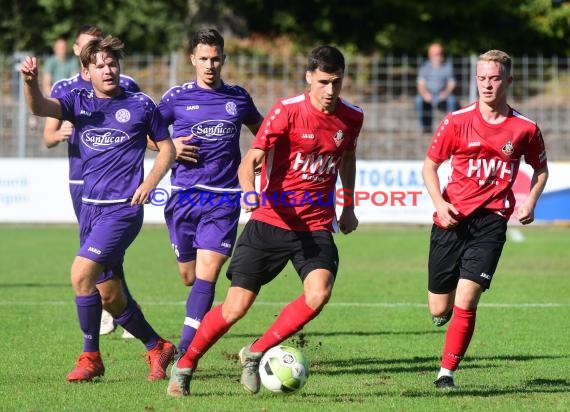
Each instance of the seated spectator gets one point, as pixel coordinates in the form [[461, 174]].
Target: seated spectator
[[435, 87]]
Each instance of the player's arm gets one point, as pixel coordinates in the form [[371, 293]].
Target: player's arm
[[162, 164], [445, 210], [347, 221], [246, 175], [525, 212], [35, 100], [56, 131], [151, 144]]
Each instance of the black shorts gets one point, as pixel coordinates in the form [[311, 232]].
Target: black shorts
[[469, 251], [263, 250]]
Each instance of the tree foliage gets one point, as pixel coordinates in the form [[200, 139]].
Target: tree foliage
[[373, 26]]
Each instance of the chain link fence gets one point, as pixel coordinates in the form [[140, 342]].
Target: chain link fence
[[383, 87]]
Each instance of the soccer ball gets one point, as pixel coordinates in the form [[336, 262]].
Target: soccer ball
[[283, 369]]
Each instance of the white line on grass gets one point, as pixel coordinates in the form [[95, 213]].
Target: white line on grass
[[330, 304]]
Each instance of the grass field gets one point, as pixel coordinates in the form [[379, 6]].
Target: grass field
[[373, 348]]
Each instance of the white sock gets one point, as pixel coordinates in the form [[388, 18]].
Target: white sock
[[445, 372]]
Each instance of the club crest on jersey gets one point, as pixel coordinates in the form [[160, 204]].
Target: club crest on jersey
[[508, 148], [123, 115], [231, 108], [338, 138]]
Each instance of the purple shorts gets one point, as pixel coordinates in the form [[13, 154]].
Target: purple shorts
[[199, 219], [105, 232]]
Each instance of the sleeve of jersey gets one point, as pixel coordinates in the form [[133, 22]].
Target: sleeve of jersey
[[535, 156], [158, 127], [275, 125], [67, 102], [440, 148]]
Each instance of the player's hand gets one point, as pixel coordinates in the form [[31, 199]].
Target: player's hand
[[65, 131], [347, 222], [29, 69], [446, 214], [249, 201], [140, 197], [185, 151], [525, 214]]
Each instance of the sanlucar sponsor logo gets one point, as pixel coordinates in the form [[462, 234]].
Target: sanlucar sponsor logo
[[103, 139], [214, 130]]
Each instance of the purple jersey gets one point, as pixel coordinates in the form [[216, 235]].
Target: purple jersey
[[61, 88], [112, 137], [214, 119]]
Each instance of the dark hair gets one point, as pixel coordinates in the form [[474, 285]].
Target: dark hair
[[211, 37], [328, 59], [109, 44], [89, 29]]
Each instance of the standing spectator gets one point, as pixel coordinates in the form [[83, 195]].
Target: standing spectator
[[435, 85], [485, 143], [112, 126], [58, 66], [207, 116], [57, 130], [306, 141]]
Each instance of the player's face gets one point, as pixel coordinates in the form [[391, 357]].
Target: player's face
[[208, 61], [324, 89], [104, 75], [492, 83]]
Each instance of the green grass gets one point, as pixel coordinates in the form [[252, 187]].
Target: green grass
[[373, 348]]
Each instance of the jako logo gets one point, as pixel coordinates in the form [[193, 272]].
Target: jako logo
[[94, 250]]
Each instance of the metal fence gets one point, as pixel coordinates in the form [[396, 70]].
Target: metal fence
[[383, 87]]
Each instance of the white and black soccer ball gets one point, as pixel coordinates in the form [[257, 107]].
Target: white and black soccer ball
[[283, 369]]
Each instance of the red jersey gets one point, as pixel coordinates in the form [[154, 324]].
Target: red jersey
[[303, 149], [485, 158]]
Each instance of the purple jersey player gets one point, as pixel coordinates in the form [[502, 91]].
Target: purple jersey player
[[203, 211], [111, 126], [57, 130]]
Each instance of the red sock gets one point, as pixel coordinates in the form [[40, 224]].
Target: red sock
[[291, 319], [212, 328], [458, 336]]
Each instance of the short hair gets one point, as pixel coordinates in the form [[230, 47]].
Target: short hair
[[211, 37], [500, 57], [328, 59], [90, 29], [109, 44]]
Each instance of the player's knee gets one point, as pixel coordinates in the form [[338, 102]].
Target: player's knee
[[187, 276], [233, 313], [317, 299]]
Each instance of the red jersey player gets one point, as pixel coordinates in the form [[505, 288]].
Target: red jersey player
[[304, 143], [485, 142]]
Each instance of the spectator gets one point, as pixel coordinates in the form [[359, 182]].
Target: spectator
[[58, 66], [435, 87]]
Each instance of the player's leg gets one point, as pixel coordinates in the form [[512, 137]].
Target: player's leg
[[247, 272], [315, 257], [84, 273], [444, 254], [214, 325], [117, 228], [215, 236], [206, 230], [486, 234]]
